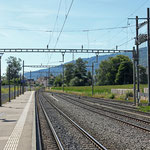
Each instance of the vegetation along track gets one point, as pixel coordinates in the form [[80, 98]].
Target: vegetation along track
[[84, 140], [130, 120]]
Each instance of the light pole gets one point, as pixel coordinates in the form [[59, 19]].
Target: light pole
[[1, 54], [9, 84]]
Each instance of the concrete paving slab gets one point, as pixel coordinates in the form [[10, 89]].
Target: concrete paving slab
[[17, 118]]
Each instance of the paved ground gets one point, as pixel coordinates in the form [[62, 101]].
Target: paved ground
[[17, 123]]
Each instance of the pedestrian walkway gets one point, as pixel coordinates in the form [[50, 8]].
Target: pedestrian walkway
[[17, 123]]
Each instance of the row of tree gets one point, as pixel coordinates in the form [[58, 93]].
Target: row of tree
[[114, 71], [118, 70], [75, 74]]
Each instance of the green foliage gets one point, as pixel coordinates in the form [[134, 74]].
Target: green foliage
[[51, 80], [14, 65], [6, 82], [58, 81], [89, 79], [143, 75], [125, 73], [75, 81], [75, 75], [69, 73], [109, 72], [128, 94], [144, 108], [80, 72], [112, 96], [100, 91], [118, 70]]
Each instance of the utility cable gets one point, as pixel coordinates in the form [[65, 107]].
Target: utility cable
[[64, 23], [50, 37]]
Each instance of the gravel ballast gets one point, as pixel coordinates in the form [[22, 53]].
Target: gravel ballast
[[69, 136], [112, 134]]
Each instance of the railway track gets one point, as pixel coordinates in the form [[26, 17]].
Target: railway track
[[88, 142], [38, 133], [120, 117], [112, 103], [45, 124], [114, 106]]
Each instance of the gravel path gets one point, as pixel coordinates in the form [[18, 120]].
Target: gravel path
[[112, 134]]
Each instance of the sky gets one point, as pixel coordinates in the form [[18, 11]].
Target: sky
[[24, 24]]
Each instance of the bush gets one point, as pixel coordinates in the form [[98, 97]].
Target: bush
[[112, 96], [129, 94], [122, 97]]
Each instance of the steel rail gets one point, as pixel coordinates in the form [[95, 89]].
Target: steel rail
[[112, 111], [51, 127], [119, 120], [38, 133], [92, 139], [130, 109], [117, 105]]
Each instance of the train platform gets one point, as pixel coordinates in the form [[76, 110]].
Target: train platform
[[17, 123]]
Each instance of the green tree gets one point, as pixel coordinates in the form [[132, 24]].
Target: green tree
[[125, 73], [69, 73], [80, 72], [75, 82], [15, 66], [143, 75], [103, 73], [89, 79], [58, 80], [51, 80], [108, 69]]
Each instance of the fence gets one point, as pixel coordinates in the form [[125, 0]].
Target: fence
[[5, 96]]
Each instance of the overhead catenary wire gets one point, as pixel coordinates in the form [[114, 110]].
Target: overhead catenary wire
[[140, 6], [64, 23], [51, 31], [50, 37], [126, 42], [51, 34]]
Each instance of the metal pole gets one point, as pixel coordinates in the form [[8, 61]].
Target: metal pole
[[63, 69], [134, 76], [0, 85], [137, 49], [63, 77], [92, 79], [148, 45], [9, 83], [14, 88], [48, 77], [23, 79], [30, 80], [18, 86]]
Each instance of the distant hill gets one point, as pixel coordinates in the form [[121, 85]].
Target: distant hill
[[56, 70]]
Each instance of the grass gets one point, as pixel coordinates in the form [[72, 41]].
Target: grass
[[144, 108], [103, 92], [98, 90], [6, 90]]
